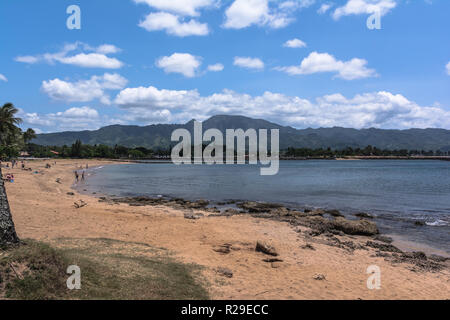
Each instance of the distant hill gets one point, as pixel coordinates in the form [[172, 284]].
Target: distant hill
[[158, 136]]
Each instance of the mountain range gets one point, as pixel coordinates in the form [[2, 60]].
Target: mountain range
[[158, 136]]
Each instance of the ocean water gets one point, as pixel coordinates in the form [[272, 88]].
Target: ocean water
[[397, 192]]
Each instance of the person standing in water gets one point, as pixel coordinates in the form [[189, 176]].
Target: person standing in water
[[76, 176]]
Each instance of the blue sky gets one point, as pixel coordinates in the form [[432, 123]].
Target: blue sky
[[304, 63]]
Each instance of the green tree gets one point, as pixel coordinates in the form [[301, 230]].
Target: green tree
[[29, 135]]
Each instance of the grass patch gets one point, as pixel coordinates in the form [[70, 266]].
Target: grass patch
[[109, 270]]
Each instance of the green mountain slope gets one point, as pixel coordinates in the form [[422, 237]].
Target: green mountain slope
[[158, 136]]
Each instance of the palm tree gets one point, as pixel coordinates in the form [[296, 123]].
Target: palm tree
[[8, 235], [29, 135], [8, 123]]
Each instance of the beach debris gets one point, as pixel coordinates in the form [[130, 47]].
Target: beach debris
[[224, 249], [272, 260], [58, 180], [225, 272], [70, 193], [364, 215], [319, 277], [80, 204], [266, 248]]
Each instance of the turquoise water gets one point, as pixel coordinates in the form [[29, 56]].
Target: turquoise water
[[397, 192]]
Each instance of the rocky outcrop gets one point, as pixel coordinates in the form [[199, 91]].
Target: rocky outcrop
[[8, 234], [266, 248]]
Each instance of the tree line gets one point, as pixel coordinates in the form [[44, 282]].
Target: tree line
[[13, 140]]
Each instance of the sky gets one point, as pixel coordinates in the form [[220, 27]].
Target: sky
[[301, 63]]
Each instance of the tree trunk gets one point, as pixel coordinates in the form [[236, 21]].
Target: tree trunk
[[8, 234]]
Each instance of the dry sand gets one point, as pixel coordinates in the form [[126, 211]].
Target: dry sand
[[43, 210]]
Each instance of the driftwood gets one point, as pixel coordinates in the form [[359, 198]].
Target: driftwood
[[8, 235]]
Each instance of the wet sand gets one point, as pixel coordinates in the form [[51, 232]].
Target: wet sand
[[43, 210]]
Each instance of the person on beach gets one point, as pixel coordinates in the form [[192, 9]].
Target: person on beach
[[76, 176], [82, 176]]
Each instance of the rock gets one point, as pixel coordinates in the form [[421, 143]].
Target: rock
[[383, 247], [70, 193], [266, 248], [334, 213], [308, 247], [415, 255], [258, 207], [438, 258], [272, 260], [191, 216], [360, 227], [364, 215], [58, 180], [383, 239], [231, 212], [276, 265], [80, 204], [224, 249], [225, 272], [420, 223], [319, 277]]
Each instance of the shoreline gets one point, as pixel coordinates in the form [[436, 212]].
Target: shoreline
[[44, 210], [404, 241]]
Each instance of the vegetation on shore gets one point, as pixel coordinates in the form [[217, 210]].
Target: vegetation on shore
[[110, 270]]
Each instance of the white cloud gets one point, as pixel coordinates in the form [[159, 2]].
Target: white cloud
[[245, 13], [377, 109], [84, 90], [94, 58], [82, 118], [171, 24], [249, 63], [357, 7], [183, 63], [216, 67], [180, 7], [295, 43], [324, 62], [27, 59], [324, 8], [448, 68], [3, 78]]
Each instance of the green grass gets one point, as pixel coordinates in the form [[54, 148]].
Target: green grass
[[109, 270]]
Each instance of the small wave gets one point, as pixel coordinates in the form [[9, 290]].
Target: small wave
[[437, 223]]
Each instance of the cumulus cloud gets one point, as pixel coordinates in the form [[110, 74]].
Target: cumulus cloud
[[245, 13], [324, 62], [377, 109], [180, 7], [249, 63], [163, 21], [448, 68], [324, 8], [79, 54], [84, 90], [357, 7], [294, 43], [3, 78], [82, 118], [171, 16], [216, 67], [183, 63]]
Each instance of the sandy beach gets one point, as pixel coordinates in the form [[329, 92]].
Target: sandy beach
[[43, 209]]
